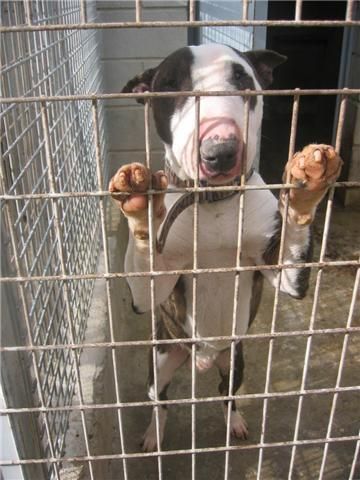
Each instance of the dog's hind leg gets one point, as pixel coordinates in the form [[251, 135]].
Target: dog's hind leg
[[170, 324], [238, 426], [167, 362]]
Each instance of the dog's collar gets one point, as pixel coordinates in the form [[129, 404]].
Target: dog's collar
[[188, 199]]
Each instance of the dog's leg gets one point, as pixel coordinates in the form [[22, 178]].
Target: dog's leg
[[238, 426], [315, 168], [168, 361], [129, 187]]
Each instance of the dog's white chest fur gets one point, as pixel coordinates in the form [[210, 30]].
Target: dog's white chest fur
[[217, 248]]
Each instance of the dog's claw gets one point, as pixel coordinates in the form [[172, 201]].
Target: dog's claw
[[139, 176], [301, 163], [317, 156]]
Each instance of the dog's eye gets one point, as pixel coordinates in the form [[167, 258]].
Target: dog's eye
[[241, 79], [238, 75]]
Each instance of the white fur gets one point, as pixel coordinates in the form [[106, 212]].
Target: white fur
[[211, 71]]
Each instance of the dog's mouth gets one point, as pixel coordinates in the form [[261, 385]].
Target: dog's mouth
[[221, 151]]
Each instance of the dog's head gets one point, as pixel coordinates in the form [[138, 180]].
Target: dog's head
[[210, 67]]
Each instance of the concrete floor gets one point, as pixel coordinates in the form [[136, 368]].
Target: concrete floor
[[286, 373]]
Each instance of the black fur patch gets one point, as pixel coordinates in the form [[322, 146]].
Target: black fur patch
[[237, 376], [242, 81], [173, 75], [271, 257]]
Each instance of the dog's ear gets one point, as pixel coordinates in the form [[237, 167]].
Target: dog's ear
[[264, 62], [140, 84]]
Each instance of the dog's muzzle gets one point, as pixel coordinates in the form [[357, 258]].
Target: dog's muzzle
[[219, 155]]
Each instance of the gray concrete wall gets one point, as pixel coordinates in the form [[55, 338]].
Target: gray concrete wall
[[126, 53]]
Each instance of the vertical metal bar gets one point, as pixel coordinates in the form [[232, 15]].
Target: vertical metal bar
[[298, 10], [237, 281], [27, 8], [316, 292], [352, 306], [82, 11], [355, 460], [152, 238], [60, 246], [192, 10], [294, 121], [349, 10], [245, 11], [138, 7], [340, 371], [194, 288], [107, 270]]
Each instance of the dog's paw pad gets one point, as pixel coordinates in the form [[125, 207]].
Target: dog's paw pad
[[133, 177], [203, 363], [136, 179], [315, 167]]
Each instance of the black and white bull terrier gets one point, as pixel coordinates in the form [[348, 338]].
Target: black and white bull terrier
[[219, 155]]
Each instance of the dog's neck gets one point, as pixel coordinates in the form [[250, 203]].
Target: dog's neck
[[207, 196]]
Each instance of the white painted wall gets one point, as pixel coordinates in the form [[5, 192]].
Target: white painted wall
[[126, 53], [7, 445]]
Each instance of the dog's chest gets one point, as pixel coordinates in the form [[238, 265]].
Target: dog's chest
[[216, 235]]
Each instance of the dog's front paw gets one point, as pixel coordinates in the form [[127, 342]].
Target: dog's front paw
[[315, 168], [135, 179]]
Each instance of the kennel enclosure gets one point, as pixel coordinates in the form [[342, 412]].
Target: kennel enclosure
[[65, 128]]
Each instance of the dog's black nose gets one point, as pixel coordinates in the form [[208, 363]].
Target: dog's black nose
[[219, 154]]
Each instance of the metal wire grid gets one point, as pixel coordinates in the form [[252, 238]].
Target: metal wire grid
[[55, 195], [50, 148]]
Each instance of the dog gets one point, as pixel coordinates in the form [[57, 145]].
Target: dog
[[214, 154]]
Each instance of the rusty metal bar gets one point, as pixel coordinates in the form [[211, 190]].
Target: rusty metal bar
[[298, 11], [159, 273], [105, 193], [192, 10], [195, 286], [174, 341], [294, 122], [100, 182], [192, 93], [240, 228], [169, 453], [184, 23], [138, 7], [180, 401], [152, 250], [317, 287]]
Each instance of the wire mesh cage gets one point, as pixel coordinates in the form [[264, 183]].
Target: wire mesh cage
[[55, 228]]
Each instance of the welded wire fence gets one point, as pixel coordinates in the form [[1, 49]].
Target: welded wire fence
[[53, 205]]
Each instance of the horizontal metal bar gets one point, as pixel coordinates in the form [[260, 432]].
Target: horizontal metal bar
[[197, 93], [181, 341], [106, 193], [198, 271], [180, 401], [184, 23], [169, 453]]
